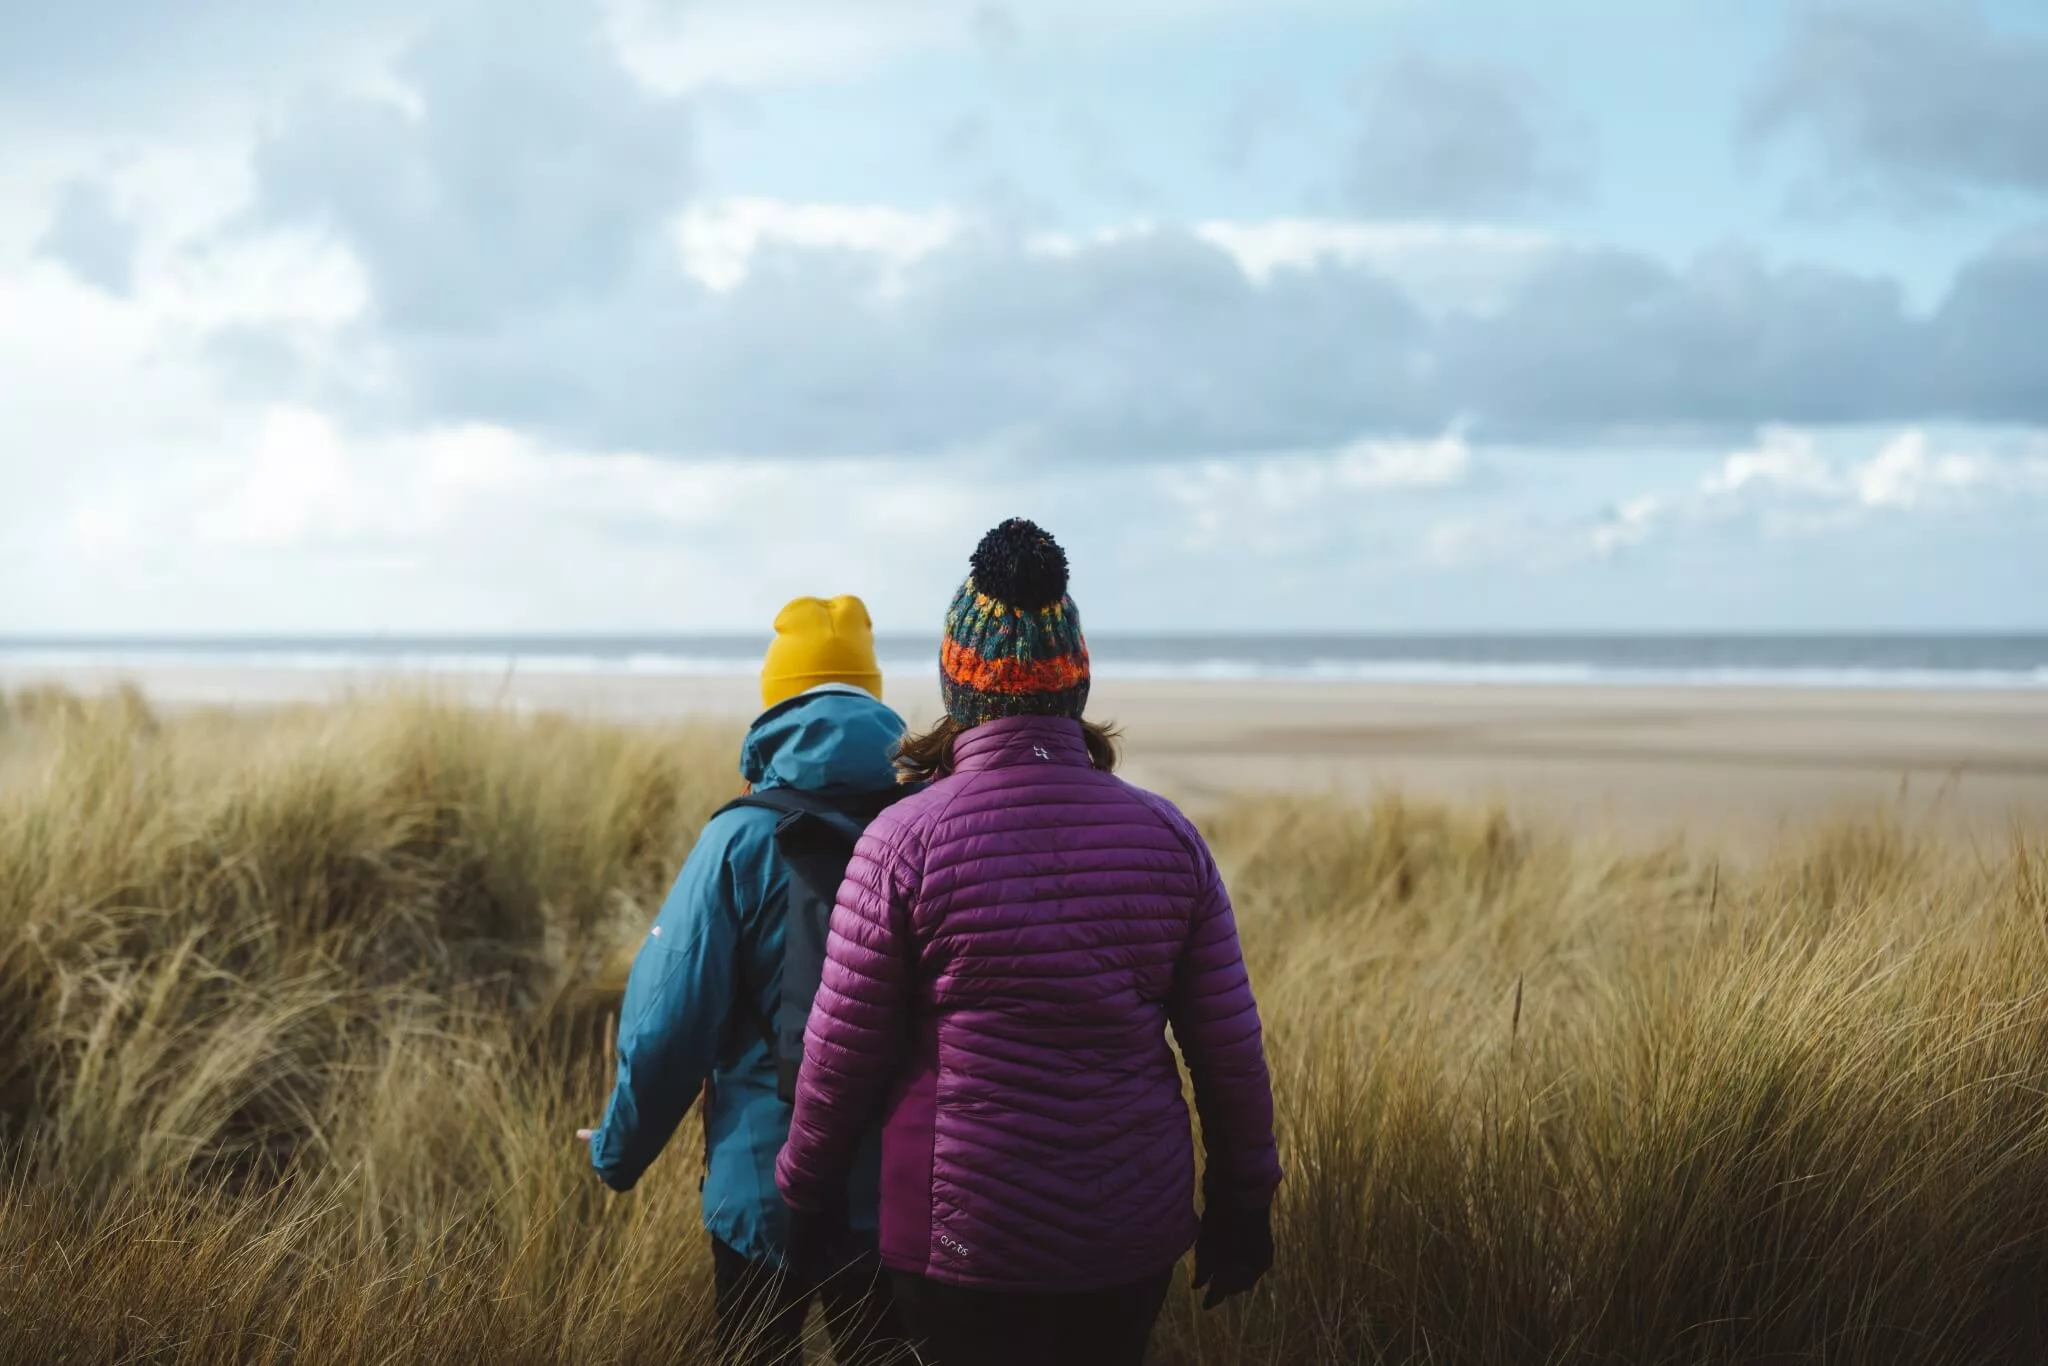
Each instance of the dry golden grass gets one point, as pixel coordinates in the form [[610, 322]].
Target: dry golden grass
[[298, 1014]]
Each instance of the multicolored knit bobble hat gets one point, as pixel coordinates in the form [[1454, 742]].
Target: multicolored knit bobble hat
[[1013, 636]]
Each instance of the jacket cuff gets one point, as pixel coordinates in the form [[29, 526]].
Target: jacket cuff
[[616, 1175], [1219, 1191]]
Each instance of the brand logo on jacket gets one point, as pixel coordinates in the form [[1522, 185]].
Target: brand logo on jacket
[[1039, 750], [954, 1246]]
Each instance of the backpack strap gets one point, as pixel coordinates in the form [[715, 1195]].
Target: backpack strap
[[814, 837], [851, 814]]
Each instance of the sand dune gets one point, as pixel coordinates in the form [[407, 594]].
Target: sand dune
[[1636, 761]]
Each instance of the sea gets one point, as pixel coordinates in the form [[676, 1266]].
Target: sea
[[1944, 660]]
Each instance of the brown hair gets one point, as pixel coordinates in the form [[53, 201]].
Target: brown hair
[[923, 758]]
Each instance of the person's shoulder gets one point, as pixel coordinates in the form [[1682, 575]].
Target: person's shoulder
[[914, 809], [735, 819], [736, 832], [1160, 806], [907, 818], [1173, 818]]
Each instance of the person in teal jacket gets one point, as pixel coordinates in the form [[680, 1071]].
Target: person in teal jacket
[[710, 970]]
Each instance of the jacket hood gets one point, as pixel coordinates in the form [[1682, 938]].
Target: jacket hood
[[827, 740]]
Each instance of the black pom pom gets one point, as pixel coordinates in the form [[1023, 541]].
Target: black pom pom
[[1020, 565]]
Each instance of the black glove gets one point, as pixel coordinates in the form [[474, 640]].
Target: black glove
[[815, 1238], [1234, 1250]]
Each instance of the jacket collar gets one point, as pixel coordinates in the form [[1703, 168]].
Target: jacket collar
[[1016, 740]]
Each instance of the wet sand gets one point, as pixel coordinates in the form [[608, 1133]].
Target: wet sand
[[1634, 761]]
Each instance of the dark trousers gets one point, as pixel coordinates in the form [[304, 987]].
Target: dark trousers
[[761, 1311], [957, 1326]]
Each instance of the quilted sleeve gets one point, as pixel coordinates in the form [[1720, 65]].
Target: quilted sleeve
[[1216, 1022], [855, 1042]]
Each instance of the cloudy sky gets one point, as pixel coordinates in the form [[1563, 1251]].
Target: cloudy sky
[[1312, 314]]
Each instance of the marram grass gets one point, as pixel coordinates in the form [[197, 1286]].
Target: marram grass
[[299, 1012]]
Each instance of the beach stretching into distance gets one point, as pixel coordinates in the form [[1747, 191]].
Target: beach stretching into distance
[[1637, 761]]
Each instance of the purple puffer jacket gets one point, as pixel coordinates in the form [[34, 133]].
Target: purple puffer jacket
[[1007, 952]]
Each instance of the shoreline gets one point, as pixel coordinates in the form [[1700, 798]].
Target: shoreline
[[1636, 761]]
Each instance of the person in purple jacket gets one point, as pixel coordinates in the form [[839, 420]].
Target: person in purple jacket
[[1007, 953]]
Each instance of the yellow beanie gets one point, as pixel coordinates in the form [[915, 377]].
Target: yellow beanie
[[820, 642]]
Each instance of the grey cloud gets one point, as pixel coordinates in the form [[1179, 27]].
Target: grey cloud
[[512, 234], [1159, 346], [1989, 361], [1911, 105], [1444, 141], [535, 174], [1613, 342], [92, 238], [1150, 347]]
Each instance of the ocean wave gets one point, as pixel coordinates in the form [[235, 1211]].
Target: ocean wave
[[1220, 668], [1569, 673]]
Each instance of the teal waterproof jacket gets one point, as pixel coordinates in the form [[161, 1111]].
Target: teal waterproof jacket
[[710, 970]]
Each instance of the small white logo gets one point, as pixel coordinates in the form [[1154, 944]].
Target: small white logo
[[655, 932], [1039, 750], [954, 1246]]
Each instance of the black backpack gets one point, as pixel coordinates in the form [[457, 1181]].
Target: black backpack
[[814, 837]]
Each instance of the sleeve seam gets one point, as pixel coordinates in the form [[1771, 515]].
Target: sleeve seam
[[1179, 830]]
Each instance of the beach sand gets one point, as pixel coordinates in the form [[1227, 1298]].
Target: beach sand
[[1637, 762]]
